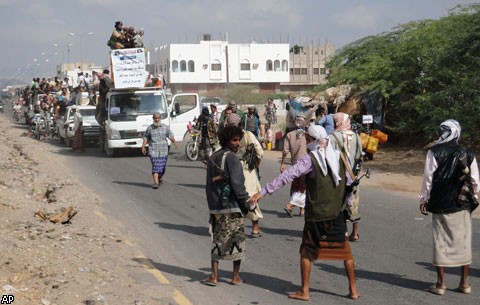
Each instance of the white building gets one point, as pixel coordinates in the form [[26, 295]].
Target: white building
[[213, 64]]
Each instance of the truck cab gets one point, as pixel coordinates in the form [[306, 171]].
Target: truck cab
[[130, 111]]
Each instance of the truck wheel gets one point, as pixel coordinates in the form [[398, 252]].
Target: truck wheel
[[68, 141], [60, 139], [191, 151], [110, 152]]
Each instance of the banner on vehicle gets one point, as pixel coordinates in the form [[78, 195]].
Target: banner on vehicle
[[128, 67]]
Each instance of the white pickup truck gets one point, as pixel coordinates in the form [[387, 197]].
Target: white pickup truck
[[91, 128], [130, 111]]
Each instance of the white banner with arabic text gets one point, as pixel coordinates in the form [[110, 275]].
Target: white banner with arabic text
[[129, 67]]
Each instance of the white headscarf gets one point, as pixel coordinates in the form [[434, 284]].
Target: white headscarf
[[449, 130], [324, 152]]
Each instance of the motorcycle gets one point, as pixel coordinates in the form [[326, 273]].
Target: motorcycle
[[37, 127], [192, 148], [271, 116], [17, 115]]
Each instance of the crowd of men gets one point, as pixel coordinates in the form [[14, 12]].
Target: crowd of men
[[324, 185]]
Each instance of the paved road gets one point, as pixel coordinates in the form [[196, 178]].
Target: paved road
[[170, 224], [392, 257]]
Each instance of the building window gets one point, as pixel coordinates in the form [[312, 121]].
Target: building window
[[216, 67], [183, 66], [321, 52], [315, 71], [323, 71], [245, 67], [284, 65], [291, 71], [191, 66], [304, 71], [174, 66], [276, 65], [269, 65], [296, 71]]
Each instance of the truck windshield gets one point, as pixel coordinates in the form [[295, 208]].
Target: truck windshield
[[87, 112], [127, 106]]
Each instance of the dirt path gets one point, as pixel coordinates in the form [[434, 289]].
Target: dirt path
[[52, 263]]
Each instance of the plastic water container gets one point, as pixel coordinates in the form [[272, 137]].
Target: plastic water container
[[382, 137], [372, 145], [364, 138]]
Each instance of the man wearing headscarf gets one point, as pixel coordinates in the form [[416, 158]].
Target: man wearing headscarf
[[349, 143], [449, 168], [249, 144], [296, 146], [324, 232]]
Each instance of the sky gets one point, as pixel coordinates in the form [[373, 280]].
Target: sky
[[31, 29]]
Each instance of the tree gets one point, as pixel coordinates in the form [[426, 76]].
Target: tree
[[426, 71]]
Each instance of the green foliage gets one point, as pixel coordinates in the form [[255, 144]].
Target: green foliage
[[426, 72], [248, 94]]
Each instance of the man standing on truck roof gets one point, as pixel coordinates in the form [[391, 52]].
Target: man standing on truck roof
[[156, 136]]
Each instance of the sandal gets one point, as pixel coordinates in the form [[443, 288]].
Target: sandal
[[434, 289], [465, 290], [256, 235], [289, 212]]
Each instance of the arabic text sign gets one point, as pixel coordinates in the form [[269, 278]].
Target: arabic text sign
[[129, 67]]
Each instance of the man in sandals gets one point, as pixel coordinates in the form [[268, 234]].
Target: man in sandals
[[227, 204]]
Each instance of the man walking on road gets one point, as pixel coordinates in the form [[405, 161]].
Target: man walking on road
[[449, 188], [156, 136], [227, 204]]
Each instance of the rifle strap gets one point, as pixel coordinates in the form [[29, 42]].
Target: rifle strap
[[347, 166]]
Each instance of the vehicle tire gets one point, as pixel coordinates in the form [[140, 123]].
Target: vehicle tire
[[68, 141], [109, 152], [191, 152], [101, 141]]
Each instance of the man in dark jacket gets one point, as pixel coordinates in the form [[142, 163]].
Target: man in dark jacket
[[227, 204], [449, 188]]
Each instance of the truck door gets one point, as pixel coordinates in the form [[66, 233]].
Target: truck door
[[183, 109]]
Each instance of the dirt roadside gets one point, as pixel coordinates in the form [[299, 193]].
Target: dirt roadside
[[51, 263]]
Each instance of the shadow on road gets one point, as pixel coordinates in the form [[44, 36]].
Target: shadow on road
[[200, 231], [198, 186], [452, 270], [261, 281], [140, 184], [383, 277]]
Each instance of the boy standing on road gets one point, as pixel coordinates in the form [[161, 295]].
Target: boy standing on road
[[227, 204]]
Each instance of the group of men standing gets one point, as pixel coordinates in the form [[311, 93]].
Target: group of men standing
[[323, 172]]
